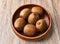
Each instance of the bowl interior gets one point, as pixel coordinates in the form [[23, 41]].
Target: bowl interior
[[46, 17]]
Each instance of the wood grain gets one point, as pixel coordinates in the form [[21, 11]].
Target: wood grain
[[8, 7]]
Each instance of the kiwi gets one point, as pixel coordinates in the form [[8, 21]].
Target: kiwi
[[19, 24], [25, 13], [29, 30], [33, 17], [41, 25], [38, 10]]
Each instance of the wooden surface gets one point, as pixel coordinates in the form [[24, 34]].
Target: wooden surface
[[8, 7]]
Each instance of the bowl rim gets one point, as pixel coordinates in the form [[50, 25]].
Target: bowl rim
[[36, 37]]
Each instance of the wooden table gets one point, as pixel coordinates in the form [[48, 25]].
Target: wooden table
[[8, 7]]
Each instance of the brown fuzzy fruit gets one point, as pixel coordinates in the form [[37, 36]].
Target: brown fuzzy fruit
[[33, 17], [41, 25], [29, 30], [24, 13], [19, 24], [37, 10]]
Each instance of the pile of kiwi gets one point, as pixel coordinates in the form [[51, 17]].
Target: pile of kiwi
[[30, 22]]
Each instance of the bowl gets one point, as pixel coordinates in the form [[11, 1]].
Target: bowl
[[47, 17]]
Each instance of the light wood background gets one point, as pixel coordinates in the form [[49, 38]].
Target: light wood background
[[8, 7]]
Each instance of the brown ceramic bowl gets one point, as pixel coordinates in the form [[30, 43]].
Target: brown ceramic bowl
[[47, 17]]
